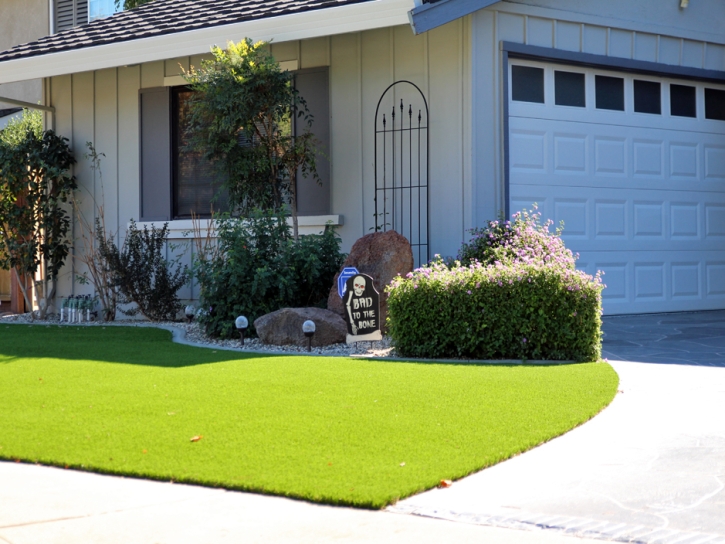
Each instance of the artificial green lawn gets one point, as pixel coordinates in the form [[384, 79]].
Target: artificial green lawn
[[126, 400]]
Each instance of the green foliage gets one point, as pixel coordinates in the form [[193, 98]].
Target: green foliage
[[35, 183], [516, 311], [241, 119], [523, 240], [18, 128], [258, 268], [141, 272]]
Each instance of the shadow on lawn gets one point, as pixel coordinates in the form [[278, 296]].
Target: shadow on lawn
[[154, 347], [112, 344]]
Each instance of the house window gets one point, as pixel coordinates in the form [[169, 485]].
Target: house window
[[647, 97], [569, 89], [98, 9], [195, 179], [176, 182], [527, 84], [683, 101], [609, 93], [70, 13]]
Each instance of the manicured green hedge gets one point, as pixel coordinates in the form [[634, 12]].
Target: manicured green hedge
[[514, 311]]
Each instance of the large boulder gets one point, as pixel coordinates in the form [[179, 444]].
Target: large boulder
[[284, 327], [382, 255]]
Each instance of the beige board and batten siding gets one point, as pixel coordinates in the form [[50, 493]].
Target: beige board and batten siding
[[103, 107]]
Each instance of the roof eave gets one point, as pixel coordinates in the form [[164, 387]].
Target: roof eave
[[296, 26], [428, 16]]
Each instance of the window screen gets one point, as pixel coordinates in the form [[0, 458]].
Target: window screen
[[683, 101], [196, 180], [527, 84], [609, 93], [569, 89], [715, 104], [647, 98]]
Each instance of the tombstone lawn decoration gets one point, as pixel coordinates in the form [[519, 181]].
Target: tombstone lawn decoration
[[362, 310]]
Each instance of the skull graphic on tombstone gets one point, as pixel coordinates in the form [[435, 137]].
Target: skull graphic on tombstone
[[359, 286]]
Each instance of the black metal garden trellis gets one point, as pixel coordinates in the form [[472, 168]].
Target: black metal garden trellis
[[401, 168]]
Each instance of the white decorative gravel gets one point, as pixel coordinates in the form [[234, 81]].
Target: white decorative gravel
[[193, 334]]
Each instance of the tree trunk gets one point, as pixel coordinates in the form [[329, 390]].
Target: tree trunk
[[24, 291]]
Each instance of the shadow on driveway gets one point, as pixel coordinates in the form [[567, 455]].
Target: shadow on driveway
[[687, 338]]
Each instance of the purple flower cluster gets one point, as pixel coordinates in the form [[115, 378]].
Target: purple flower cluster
[[524, 240]]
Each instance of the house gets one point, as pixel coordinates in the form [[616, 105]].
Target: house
[[609, 115]]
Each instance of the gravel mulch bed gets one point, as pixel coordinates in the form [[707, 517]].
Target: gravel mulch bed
[[193, 334]]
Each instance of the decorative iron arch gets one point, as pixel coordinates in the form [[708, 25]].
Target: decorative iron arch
[[402, 162]]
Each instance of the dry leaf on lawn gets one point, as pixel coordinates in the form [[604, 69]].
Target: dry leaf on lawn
[[196, 438]]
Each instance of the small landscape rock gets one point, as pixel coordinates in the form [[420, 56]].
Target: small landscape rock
[[284, 327]]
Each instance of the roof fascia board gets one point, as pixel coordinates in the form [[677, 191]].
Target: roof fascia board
[[297, 26], [429, 16]]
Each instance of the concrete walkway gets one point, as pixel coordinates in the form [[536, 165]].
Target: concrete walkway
[[649, 468]]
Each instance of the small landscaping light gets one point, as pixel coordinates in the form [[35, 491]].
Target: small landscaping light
[[242, 323], [189, 311], [308, 327]]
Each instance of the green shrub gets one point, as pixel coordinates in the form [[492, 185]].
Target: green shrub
[[523, 240], [515, 311], [257, 267], [141, 273]]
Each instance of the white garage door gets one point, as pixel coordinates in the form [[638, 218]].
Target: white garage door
[[635, 167]]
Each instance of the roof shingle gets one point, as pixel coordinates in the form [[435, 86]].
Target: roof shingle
[[165, 17]]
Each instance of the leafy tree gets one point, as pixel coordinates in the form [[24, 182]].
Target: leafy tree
[[35, 183], [241, 119]]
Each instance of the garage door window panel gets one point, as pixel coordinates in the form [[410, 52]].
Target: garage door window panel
[[715, 104], [609, 93], [683, 101], [647, 97], [527, 84], [569, 89]]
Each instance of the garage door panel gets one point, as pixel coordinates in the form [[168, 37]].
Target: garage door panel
[[714, 162], [603, 220], [600, 159], [644, 281]]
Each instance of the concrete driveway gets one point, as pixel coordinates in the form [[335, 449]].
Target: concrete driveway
[[649, 468]]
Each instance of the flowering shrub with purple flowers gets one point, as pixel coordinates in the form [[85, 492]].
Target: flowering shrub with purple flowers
[[524, 239], [519, 310]]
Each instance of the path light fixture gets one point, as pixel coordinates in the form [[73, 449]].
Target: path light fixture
[[189, 311], [308, 327], [242, 324]]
